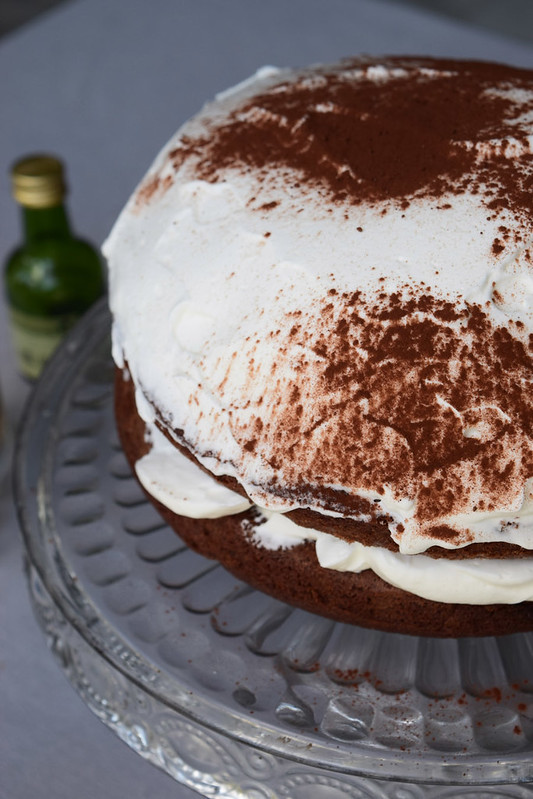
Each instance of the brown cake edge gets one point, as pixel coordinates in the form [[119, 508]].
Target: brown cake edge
[[295, 576]]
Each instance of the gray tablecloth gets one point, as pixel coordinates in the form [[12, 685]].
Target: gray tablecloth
[[104, 84]]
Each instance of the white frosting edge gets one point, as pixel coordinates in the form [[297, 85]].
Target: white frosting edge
[[183, 487]]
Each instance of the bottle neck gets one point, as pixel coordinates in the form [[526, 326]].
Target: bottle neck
[[41, 223]]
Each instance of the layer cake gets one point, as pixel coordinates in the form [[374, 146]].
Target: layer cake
[[322, 300]]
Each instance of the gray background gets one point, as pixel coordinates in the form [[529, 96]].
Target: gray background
[[510, 17]]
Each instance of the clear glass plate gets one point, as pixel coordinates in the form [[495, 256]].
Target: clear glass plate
[[231, 692]]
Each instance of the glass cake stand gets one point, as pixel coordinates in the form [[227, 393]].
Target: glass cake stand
[[231, 692]]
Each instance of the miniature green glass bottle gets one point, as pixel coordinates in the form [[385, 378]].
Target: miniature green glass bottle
[[53, 277]]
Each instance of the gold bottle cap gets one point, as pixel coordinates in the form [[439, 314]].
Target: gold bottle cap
[[38, 181]]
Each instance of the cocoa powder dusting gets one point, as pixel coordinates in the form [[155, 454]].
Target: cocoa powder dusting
[[150, 188], [431, 127], [376, 395]]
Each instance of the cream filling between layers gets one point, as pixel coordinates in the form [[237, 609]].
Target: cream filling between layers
[[184, 488], [506, 525]]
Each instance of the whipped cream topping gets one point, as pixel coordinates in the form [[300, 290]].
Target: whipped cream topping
[[324, 288], [182, 486]]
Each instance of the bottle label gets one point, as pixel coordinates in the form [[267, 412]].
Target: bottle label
[[35, 338]]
